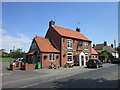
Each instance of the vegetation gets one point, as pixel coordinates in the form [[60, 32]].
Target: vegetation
[[9, 57], [5, 54], [6, 59], [106, 54], [17, 54]]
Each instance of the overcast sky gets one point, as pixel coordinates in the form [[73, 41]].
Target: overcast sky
[[21, 21]]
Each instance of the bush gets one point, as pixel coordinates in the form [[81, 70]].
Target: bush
[[17, 54]]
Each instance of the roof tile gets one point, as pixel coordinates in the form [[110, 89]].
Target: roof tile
[[93, 51], [99, 46], [45, 45], [70, 33]]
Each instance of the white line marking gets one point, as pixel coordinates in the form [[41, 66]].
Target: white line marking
[[29, 85]]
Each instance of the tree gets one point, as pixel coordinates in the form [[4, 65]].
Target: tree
[[17, 54], [5, 54], [106, 54]]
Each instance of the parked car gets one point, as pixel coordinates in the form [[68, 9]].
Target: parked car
[[18, 60], [115, 60], [94, 63]]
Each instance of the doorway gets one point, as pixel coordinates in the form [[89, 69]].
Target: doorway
[[82, 60]]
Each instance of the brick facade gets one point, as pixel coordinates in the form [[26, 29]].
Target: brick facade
[[61, 50], [46, 62]]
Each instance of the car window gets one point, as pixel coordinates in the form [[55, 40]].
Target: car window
[[90, 60], [97, 60]]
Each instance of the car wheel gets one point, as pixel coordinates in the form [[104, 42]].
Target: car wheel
[[97, 66]]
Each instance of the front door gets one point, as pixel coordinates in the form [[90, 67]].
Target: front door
[[82, 60]]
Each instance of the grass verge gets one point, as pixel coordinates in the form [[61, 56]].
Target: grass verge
[[6, 59]]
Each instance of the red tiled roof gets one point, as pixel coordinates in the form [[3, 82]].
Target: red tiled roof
[[93, 51], [30, 53], [112, 49], [44, 44], [70, 33], [99, 46]]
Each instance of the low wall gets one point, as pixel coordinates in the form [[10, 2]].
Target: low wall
[[29, 66]]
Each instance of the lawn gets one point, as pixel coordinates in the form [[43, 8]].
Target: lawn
[[6, 59]]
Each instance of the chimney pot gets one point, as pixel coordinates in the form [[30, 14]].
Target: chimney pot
[[93, 45], [78, 29], [112, 45], [105, 43], [51, 23]]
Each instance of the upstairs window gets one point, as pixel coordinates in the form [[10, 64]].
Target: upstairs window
[[79, 45], [69, 43], [86, 45], [51, 57]]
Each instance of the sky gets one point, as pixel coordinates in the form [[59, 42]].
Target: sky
[[21, 21]]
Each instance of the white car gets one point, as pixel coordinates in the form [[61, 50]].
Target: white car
[[18, 60]]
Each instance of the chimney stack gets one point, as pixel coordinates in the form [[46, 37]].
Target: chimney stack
[[78, 29], [51, 23], [112, 45], [105, 43], [93, 45]]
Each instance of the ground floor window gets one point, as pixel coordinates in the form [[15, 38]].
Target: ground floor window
[[69, 56], [51, 57]]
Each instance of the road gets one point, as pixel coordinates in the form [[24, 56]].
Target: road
[[77, 77]]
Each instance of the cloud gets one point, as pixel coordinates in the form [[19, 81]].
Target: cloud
[[21, 41], [2, 31]]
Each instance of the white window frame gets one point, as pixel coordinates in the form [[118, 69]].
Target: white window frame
[[71, 56], [86, 44], [52, 58], [69, 41], [93, 56]]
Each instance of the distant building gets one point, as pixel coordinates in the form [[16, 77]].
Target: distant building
[[1, 51], [94, 54], [104, 47]]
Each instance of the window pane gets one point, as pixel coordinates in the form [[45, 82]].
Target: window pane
[[69, 43], [51, 56], [69, 58], [69, 53]]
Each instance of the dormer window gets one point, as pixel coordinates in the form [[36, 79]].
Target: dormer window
[[69, 43]]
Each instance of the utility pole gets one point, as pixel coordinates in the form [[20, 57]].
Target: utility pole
[[115, 47], [13, 48]]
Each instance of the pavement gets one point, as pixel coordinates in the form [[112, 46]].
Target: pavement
[[24, 79]]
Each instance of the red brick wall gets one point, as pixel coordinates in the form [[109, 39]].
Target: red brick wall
[[74, 44], [53, 35], [46, 62], [30, 66]]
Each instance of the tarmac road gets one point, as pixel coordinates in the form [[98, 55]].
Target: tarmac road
[[77, 77]]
